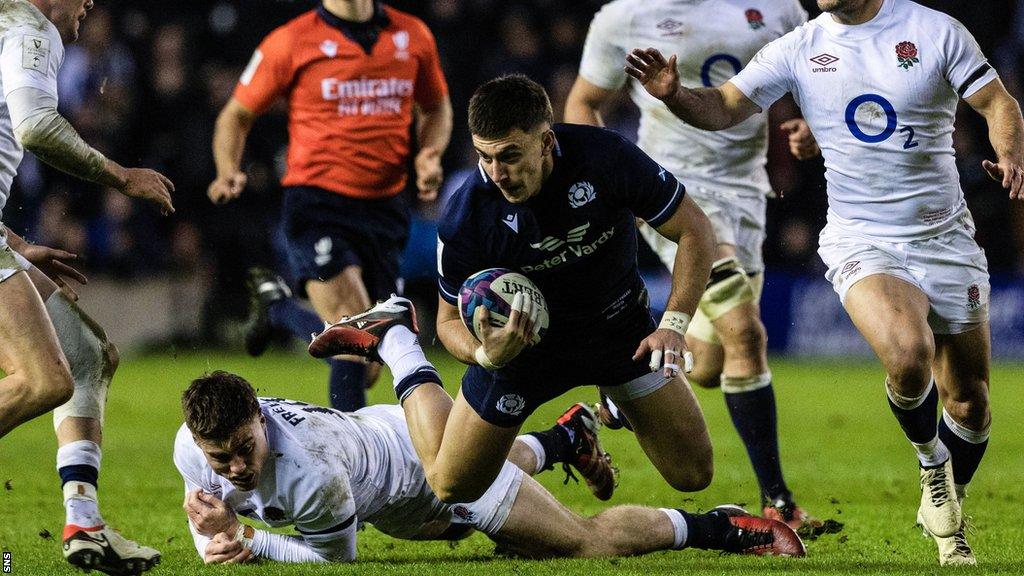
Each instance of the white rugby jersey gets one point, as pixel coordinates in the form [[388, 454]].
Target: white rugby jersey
[[325, 470], [880, 98], [31, 53], [713, 40]]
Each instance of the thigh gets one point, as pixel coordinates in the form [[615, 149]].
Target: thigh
[[341, 295], [473, 450], [669, 426], [27, 337], [539, 526], [891, 314]]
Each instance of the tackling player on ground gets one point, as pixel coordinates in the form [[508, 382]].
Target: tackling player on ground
[[287, 463], [357, 75], [725, 175], [878, 82], [558, 203], [54, 356]]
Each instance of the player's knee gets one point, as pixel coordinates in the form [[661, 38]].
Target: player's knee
[[746, 338], [452, 490], [111, 358], [47, 385], [909, 365], [693, 477], [969, 405], [705, 378]]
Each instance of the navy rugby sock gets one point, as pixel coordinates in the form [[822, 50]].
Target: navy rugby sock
[[557, 444], [347, 385], [917, 417], [706, 531], [966, 447], [290, 315], [753, 415]]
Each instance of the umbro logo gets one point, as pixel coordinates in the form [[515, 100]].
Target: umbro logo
[[671, 27], [574, 236], [824, 61]]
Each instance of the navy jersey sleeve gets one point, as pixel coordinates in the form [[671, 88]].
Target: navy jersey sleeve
[[650, 191], [458, 251]]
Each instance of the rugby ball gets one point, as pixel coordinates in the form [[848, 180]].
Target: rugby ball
[[494, 289]]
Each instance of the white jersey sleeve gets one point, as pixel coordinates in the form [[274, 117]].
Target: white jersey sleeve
[[31, 58], [191, 463], [768, 76], [965, 66], [604, 56]]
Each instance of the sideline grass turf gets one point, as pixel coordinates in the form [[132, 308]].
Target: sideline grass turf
[[843, 454]]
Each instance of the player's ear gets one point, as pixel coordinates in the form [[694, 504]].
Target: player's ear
[[547, 141]]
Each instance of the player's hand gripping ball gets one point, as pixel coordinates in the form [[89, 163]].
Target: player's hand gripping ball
[[494, 289]]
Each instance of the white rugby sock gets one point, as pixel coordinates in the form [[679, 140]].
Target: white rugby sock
[[402, 353], [80, 505], [932, 453], [679, 530], [540, 458]]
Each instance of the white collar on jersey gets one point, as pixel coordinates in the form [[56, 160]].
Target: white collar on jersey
[[860, 31]]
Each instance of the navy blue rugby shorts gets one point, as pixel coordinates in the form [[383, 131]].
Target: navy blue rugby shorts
[[326, 232], [603, 357]]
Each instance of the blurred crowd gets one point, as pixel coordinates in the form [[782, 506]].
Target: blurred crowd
[[147, 79]]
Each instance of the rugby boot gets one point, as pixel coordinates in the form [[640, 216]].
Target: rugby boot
[[265, 287], [360, 335], [104, 549], [940, 510], [787, 511], [953, 550], [730, 528], [587, 456]]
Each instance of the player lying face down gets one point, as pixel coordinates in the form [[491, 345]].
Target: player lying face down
[[288, 463]]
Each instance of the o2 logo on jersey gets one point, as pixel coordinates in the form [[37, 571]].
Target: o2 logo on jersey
[[705, 69], [878, 105]]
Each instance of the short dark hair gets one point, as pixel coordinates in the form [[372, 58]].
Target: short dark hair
[[217, 404], [503, 104]]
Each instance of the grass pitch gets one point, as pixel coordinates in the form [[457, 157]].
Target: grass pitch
[[843, 454]]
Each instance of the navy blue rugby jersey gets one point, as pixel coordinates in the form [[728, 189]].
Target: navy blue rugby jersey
[[576, 238]]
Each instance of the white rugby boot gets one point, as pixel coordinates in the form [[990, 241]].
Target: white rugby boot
[[104, 549], [940, 510], [953, 550]]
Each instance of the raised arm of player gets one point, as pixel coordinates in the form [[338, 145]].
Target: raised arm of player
[[433, 131], [40, 129], [232, 128], [704, 108], [1005, 132], [583, 106]]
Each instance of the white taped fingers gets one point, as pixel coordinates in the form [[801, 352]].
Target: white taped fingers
[[92, 358]]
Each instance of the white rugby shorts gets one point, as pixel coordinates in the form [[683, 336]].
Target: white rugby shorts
[[738, 219], [950, 269], [410, 513]]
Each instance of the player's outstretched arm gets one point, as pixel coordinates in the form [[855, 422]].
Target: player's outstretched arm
[[584, 103], [232, 128], [692, 231], [43, 131], [704, 108], [433, 131], [1005, 132]]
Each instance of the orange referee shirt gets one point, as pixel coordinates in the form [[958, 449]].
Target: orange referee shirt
[[349, 111]]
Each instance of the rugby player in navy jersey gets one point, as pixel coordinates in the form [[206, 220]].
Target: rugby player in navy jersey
[[557, 203]]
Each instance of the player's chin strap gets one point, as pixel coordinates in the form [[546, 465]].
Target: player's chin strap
[[677, 322]]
